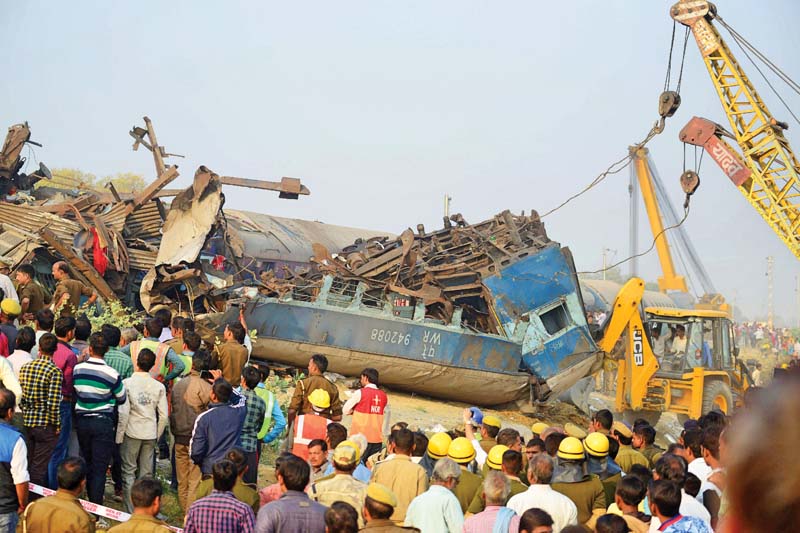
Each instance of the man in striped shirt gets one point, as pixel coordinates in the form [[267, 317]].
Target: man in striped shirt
[[98, 389]]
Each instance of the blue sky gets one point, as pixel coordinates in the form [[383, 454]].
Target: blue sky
[[383, 107]]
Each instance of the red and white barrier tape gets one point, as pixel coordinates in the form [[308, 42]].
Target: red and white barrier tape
[[89, 507]]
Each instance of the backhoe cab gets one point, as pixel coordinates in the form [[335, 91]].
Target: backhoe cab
[[678, 360]]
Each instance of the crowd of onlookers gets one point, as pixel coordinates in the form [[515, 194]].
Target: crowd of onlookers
[[80, 405]]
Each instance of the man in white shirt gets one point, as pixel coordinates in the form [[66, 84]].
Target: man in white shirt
[[26, 340], [679, 340], [44, 321], [370, 409], [541, 495], [5, 282], [693, 442], [142, 420], [673, 468]]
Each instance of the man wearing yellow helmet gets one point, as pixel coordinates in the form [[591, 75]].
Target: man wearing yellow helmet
[[509, 462], [300, 404], [313, 425], [570, 479], [437, 449], [600, 464], [462, 452]]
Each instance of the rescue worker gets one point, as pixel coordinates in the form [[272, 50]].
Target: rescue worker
[[231, 355], [574, 430], [177, 331], [67, 296], [538, 428], [168, 365], [342, 486], [436, 449], [507, 461], [644, 440], [601, 422], [299, 403], [273, 413], [32, 296], [571, 479], [626, 455], [404, 478], [311, 425], [370, 410], [600, 464], [462, 452], [489, 428]]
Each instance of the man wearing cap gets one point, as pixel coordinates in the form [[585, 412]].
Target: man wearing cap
[[626, 456], [402, 476], [370, 410], [312, 425], [67, 296], [438, 510], [379, 505], [300, 404], [6, 285], [32, 296], [342, 486], [600, 464], [462, 452], [490, 427], [9, 311], [571, 479], [509, 462], [436, 449]]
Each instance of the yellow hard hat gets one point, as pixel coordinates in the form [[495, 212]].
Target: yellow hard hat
[[461, 451], [495, 457], [491, 420], [538, 427], [571, 449], [438, 445], [596, 444], [320, 398], [11, 307], [574, 430]]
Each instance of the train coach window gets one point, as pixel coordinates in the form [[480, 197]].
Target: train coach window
[[555, 319]]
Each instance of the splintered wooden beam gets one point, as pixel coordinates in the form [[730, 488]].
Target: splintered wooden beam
[[150, 192], [288, 187], [86, 270]]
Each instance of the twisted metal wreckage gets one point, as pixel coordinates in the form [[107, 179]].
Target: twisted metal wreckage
[[489, 313]]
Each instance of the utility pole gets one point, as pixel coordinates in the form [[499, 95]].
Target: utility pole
[[633, 221], [605, 259], [770, 291], [447, 200]]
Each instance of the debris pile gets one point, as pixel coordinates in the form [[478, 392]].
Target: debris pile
[[120, 244], [442, 270]]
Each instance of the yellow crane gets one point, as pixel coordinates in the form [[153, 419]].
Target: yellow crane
[[767, 171]]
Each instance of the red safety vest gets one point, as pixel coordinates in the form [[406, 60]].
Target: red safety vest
[[307, 428], [368, 414]]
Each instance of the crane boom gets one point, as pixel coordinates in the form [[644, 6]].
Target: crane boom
[[773, 188]]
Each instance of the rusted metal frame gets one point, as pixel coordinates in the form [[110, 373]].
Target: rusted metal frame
[[291, 186], [84, 269]]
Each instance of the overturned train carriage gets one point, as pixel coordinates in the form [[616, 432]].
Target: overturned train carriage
[[488, 313]]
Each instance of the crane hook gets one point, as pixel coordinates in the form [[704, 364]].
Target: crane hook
[[690, 181]]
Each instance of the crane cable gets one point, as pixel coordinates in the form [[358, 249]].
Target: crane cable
[[744, 45]]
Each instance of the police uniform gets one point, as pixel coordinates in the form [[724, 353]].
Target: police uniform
[[75, 289], [139, 523], [478, 504], [468, 483], [382, 494], [652, 453], [587, 495], [231, 358], [59, 512], [37, 298], [300, 403], [627, 457]]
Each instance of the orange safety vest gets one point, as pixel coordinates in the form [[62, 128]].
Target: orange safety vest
[[307, 428], [368, 414], [159, 370]]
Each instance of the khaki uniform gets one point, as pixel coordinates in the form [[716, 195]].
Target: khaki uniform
[[241, 491], [60, 512], [176, 343], [610, 486], [652, 453], [627, 457], [405, 479], [141, 524], [487, 444], [341, 487], [75, 289], [587, 496], [386, 526], [302, 406], [468, 484], [36, 295], [478, 504], [231, 358], [634, 524]]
